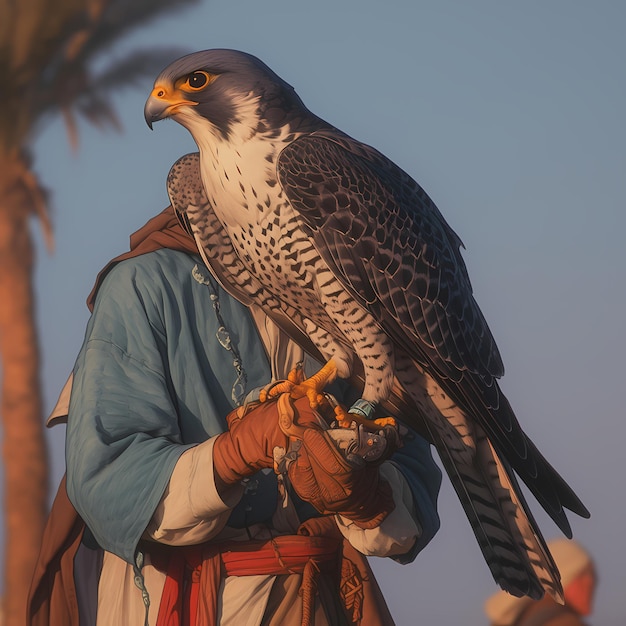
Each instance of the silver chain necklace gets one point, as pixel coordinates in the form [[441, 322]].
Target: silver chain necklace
[[238, 391]]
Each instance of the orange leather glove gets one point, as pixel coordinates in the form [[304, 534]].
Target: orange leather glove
[[322, 476], [248, 444]]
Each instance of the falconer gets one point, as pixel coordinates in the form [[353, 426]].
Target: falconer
[[175, 514]]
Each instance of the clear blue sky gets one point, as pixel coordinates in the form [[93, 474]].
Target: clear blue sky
[[511, 115]]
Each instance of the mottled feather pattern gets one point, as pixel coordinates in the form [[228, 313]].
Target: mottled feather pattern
[[402, 258]]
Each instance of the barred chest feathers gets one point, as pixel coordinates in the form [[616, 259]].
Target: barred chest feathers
[[240, 179], [239, 176]]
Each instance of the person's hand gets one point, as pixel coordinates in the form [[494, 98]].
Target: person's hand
[[321, 475], [251, 439], [248, 444]]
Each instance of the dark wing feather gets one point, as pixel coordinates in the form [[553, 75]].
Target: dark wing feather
[[392, 249], [364, 212]]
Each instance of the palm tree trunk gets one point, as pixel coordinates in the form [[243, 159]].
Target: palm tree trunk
[[23, 448]]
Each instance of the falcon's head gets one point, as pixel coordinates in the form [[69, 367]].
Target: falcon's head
[[231, 91]]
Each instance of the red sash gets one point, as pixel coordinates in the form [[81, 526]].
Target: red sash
[[194, 573]]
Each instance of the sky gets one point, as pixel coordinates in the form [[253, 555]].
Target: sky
[[511, 116]]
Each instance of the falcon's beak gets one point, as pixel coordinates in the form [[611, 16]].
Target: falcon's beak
[[162, 103]]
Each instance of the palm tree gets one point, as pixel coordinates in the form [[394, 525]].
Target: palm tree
[[47, 49]]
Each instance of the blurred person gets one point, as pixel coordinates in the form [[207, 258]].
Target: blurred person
[[578, 577]]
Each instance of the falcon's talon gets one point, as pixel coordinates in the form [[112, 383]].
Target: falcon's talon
[[345, 419], [313, 386], [342, 416], [385, 421], [283, 386], [296, 375], [275, 389]]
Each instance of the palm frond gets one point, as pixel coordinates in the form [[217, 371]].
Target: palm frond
[[60, 89], [99, 112], [71, 127], [38, 30], [51, 68], [134, 68], [74, 86], [121, 17]]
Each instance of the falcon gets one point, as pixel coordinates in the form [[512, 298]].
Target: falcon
[[353, 260]]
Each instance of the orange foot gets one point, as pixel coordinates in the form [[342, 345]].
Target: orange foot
[[294, 378], [313, 387], [345, 419]]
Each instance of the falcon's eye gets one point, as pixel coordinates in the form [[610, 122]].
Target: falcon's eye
[[196, 81]]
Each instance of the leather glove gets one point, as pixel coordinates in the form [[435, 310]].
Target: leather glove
[[322, 476], [248, 445]]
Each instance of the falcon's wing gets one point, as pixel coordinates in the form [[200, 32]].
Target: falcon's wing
[[393, 251], [391, 247]]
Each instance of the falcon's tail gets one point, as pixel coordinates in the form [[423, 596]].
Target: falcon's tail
[[507, 534]]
